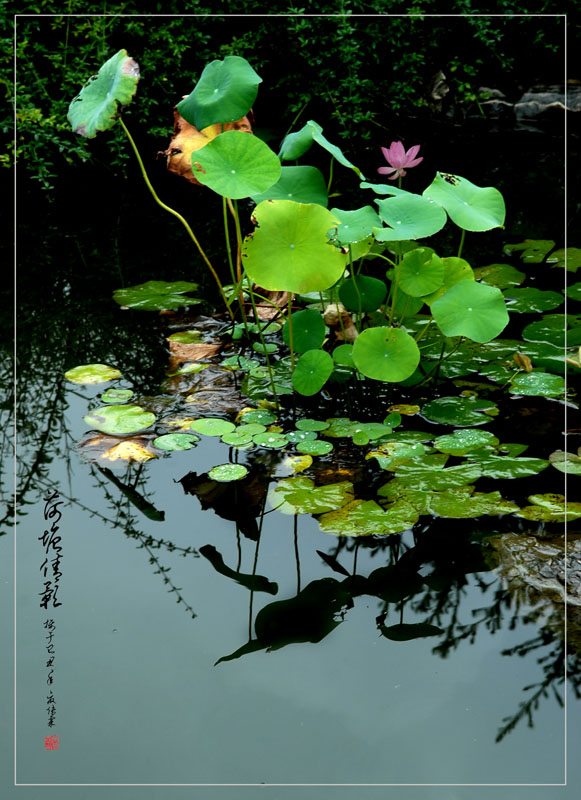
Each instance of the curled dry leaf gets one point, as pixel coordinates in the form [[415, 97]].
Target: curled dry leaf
[[523, 362], [331, 318], [267, 311], [192, 352], [113, 448], [187, 138]]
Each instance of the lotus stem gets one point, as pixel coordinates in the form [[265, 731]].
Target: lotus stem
[[290, 332], [175, 214], [461, 245], [261, 337]]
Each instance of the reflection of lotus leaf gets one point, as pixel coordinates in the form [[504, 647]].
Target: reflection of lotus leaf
[[92, 373], [299, 495], [95, 108], [120, 419], [367, 518]]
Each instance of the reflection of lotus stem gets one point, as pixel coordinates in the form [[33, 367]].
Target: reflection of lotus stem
[[461, 245], [261, 337], [175, 214]]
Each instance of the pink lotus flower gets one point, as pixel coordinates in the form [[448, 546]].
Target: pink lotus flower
[[399, 160]]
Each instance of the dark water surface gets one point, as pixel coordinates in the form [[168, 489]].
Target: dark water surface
[[145, 616]]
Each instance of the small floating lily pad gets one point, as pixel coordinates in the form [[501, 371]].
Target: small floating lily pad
[[176, 441], [367, 518], [312, 425], [531, 300], [186, 337], [299, 495], [258, 415], [500, 275], [539, 384], [92, 373], [224, 473], [116, 395], [464, 441], [550, 508], [459, 411], [301, 436], [212, 426], [569, 258], [315, 448], [273, 441], [157, 295], [533, 250], [569, 463], [118, 419], [236, 438], [298, 463]]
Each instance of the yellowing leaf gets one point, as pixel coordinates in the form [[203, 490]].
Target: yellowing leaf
[[128, 451]]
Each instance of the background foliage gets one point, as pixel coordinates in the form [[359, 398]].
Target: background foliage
[[355, 74]]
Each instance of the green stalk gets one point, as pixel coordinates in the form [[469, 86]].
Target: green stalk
[[359, 303], [175, 214], [395, 284], [234, 211], [228, 246], [461, 243], [261, 337], [289, 317], [330, 175]]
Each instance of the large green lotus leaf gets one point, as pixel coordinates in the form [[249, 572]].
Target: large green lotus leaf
[[500, 275], [362, 293], [569, 463], [312, 371], [550, 508], [421, 272], [225, 92], [471, 309], [308, 330], [406, 305], [317, 133], [386, 354], [465, 411], [120, 419], [533, 250], [355, 225], [538, 384], [409, 217], [289, 251], [455, 504], [96, 106], [461, 442], [92, 373], [301, 184], [493, 466], [156, 295], [296, 144], [455, 270], [299, 495], [569, 258], [423, 474], [236, 165], [472, 207], [367, 518], [532, 300]]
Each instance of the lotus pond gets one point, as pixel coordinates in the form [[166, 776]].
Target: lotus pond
[[313, 533]]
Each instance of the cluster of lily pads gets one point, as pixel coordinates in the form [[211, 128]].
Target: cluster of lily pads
[[421, 481]]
